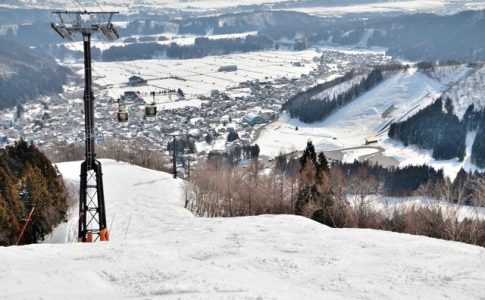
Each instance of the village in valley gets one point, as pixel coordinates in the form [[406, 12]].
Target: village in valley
[[203, 107], [176, 149]]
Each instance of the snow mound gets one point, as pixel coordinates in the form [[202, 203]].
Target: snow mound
[[170, 254]]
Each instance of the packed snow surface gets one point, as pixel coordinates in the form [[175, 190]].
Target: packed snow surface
[[168, 253]]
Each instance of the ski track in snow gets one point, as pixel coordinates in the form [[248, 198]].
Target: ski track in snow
[[170, 254]]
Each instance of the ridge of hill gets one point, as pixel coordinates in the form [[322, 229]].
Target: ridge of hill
[[26, 74], [398, 98]]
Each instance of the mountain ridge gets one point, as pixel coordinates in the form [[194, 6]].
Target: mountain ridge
[[27, 74]]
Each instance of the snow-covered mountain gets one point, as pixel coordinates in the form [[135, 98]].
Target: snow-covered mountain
[[26, 74], [397, 98], [317, 7], [169, 253], [469, 90]]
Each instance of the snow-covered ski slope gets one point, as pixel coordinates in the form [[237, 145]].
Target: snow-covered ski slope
[[408, 91], [170, 254], [396, 99], [469, 90]]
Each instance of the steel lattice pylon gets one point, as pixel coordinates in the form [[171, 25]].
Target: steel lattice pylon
[[92, 212]]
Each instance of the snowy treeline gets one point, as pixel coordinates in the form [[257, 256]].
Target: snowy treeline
[[438, 128], [202, 47], [308, 107], [308, 186]]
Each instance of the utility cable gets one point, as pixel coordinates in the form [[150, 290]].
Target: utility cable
[[81, 8]]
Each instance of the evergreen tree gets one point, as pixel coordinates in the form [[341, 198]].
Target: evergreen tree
[[255, 151], [314, 195], [28, 179], [322, 165], [20, 110], [208, 139], [449, 107], [469, 118], [232, 136], [433, 129], [308, 155], [478, 148]]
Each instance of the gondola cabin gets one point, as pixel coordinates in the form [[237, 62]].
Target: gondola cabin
[[151, 111], [122, 114]]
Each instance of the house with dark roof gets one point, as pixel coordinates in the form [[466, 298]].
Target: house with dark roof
[[136, 80]]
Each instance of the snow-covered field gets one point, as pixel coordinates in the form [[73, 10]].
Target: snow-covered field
[[388, 205], [407, 6], [320, 9], [134, 4], [349, 156], [198, 77], [168, 253], [182, 40], [408, 91]]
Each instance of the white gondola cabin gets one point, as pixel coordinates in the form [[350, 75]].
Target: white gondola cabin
[[122, 114], [151, 111]]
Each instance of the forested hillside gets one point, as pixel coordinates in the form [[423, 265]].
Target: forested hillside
[[202, 47], [478, 148], [222, 24], [26, 74], [414, 37], [309, 107], [28, 179], [438, 128], [417, 37]]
